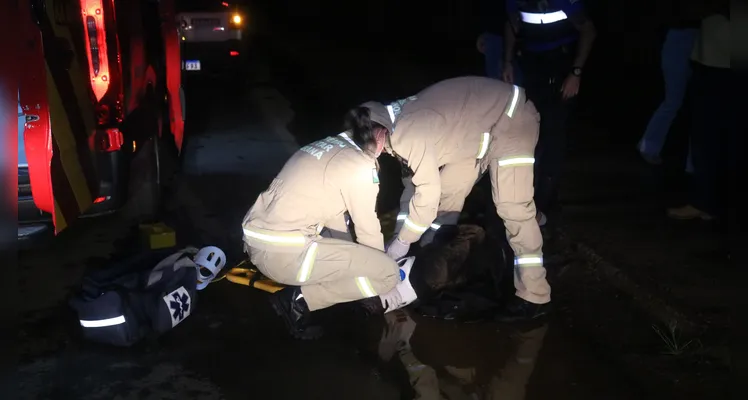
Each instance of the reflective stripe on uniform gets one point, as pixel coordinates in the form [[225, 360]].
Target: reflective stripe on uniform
[[514, 161], [100, 323], [412, 225], [349, 140], [543, 18], [415, 227], [485, 140], [292, 239], [392, 113], [365, 286], [528, 260], [513, 104], [305, 271]]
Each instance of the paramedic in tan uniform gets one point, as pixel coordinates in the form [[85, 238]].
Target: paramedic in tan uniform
[[296, 233], [449, 135]]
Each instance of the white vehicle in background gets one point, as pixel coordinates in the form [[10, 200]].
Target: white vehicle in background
[[213, 35]]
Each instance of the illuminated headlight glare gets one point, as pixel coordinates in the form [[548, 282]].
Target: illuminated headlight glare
[[237, 19]]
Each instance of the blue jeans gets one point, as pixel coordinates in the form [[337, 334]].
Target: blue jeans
[[494, 58], [676, 68]]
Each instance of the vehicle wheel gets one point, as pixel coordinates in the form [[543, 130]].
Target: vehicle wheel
[[153, 169], [144, 185]]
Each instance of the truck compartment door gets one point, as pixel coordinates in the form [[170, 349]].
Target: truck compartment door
[[56, 98]]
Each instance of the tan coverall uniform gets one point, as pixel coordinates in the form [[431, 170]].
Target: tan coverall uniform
[[452, 133], [314, 190]]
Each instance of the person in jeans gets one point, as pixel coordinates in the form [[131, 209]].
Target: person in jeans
[[676, 69], [711, 123], [491, 42]]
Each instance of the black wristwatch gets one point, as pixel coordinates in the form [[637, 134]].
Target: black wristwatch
[[576, 71]]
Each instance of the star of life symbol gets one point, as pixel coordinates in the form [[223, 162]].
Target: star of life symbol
[[178, 302]]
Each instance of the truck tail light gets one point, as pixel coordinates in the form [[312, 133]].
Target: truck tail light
[[96, 46], [233, 53]]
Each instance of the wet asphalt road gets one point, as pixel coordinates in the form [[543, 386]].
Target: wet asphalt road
[[232, 346]]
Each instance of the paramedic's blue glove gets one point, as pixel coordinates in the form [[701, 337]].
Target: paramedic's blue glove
[[397, 249]]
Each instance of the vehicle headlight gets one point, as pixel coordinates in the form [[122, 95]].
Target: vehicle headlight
[[236, 19]]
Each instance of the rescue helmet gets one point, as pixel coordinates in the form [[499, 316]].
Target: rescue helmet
[[405, 264], [210, 258]]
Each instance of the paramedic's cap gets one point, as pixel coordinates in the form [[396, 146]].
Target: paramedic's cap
[[378, 113]]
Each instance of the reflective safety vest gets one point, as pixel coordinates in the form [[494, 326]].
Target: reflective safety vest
[[544, 24]]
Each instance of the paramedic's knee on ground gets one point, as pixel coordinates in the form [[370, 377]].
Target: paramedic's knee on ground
[[330, 271]]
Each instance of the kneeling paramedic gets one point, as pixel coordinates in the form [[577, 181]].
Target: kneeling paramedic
[[297, 233], [449, 135]]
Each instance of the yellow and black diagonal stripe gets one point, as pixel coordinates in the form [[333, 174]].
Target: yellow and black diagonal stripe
[[74, 180]]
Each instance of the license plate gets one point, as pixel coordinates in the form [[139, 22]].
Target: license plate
[[192, 65]]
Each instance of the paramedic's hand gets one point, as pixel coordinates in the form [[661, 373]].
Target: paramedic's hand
[[397, 249], [480, 44], [570, 88], [508, 74]]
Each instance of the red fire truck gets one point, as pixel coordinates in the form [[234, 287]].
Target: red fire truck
[[101, 108]]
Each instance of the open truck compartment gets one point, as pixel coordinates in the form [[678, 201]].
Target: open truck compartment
[[101, 80]]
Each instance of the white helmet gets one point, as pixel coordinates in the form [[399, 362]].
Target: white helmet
[[403, 293], [208, 259], [405, 264]]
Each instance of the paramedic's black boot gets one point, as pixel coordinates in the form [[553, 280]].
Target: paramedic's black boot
[[519, 310], [290, 305]]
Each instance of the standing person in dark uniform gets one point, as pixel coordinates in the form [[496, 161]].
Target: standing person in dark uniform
[[553, 39]]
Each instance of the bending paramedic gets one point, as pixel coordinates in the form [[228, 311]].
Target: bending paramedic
[[449, 135], [296, 233]]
